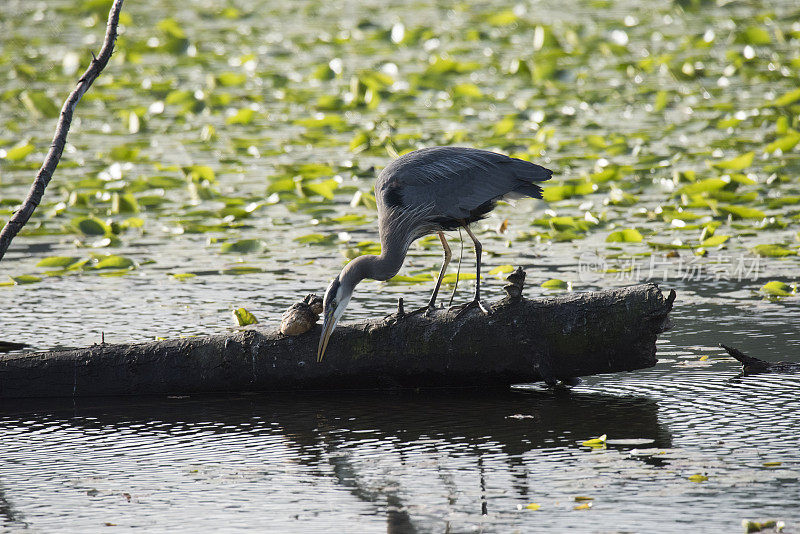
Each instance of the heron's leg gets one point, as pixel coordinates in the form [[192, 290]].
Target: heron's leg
[[458, 270], [447, 255], [478, 251]]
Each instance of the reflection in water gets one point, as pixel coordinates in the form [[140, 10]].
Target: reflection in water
[[412, 462], [421, 462], [8, 516]]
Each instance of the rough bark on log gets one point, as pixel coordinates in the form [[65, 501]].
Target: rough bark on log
[[521, 341]]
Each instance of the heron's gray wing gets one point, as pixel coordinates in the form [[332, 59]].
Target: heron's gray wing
[[460, 182]]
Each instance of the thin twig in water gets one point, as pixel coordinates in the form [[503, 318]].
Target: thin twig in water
[[23, 214]]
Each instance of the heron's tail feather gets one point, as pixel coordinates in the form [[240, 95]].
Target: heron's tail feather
[[527, 190], [526, 175]]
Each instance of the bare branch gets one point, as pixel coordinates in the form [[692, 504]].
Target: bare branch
[[23, 214]]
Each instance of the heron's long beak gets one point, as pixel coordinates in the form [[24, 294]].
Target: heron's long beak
[[328, 324]]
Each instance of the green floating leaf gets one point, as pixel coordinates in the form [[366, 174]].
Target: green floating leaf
[[360, 142], [776, 288], [124, 153], [661, 101], [736, 164], [244, 317], [113, 262], [243, 246], [787, 99], [200, 173], [760, 526], [243, 116], [242, 269], [124, 203], [505, 125], [742, 212], [773, 251], [784, 144], [315, 239], [404, 279], [715, 241], [698, 478], [467, 90], [182, 276], [554, 193], [39, 104], [19, 152], [628, 235], [755, 35], [91, 226], [596, 442], [703, 186], [502, 269], [502, 18], [667, 246], [450, 278], [324, 189], [555, 283], [57, 261], [231, 79], [171, 27], [25, 279]]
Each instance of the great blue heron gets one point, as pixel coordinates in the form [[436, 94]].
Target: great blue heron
[[425, 192]]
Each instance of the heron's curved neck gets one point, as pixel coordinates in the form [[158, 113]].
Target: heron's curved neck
[[380, 267]]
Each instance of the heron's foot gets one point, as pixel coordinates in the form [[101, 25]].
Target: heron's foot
[[485, 308], [427, 311]]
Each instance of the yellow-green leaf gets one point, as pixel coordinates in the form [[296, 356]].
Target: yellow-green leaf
[[715, 241], [788, 99], [243, 116], [773, 251], [243, 246], [596, 442], [628, 235], [698, 478], [736, 164], [742, 212], [242, 317], [760, 526], [91, 226], [25, 279], [114, 262], [784, 144], [502, 269], [57, 261], [19, 152], [777, 288], [555, 283]]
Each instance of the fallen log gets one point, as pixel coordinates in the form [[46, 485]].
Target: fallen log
[[522, 340]]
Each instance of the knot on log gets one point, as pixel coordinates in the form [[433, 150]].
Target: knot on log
[[516, 281], [301, 316]]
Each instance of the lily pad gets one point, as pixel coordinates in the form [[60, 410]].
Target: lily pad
[[242, 317], [243, 246], [628, 235]]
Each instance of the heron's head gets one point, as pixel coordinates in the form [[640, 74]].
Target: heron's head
[[336, 299]]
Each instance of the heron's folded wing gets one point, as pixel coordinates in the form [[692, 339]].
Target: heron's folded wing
[[458, 180]]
